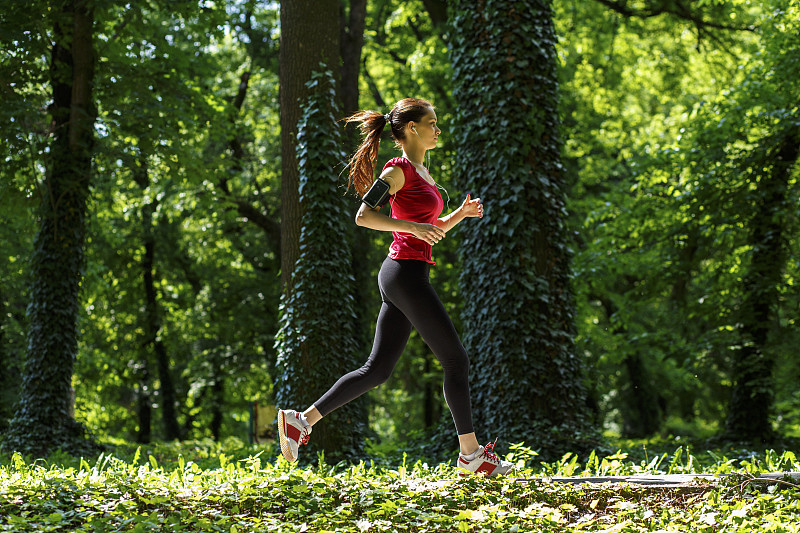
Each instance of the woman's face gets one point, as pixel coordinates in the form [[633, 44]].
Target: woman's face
[[426, 130]]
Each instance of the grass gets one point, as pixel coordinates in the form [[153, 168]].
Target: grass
[[232, 488]]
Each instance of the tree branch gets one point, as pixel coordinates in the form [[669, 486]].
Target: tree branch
[[677, 9], [373, 87], [244, 208]]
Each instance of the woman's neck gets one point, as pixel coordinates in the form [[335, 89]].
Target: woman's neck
[[415, 154]]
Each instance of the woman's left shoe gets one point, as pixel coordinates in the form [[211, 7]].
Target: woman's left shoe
[[293, 431], [483, 461]]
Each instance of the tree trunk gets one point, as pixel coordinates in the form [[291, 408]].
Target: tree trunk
[[437, 11], [144, 408], [5, 407], [167, 396], [314, 347], [519, 326], [430, 406], [753, 382], [642, 407], [685, 268], [645, 406], [307, 38], [217, 403], [352, 25], [42, 419]]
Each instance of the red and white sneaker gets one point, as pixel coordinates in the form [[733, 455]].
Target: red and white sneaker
[[293, 432], [483, 461]]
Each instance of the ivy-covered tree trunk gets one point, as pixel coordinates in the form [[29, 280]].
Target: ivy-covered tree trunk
[[753, 381], [42, 420], [317, 340], [519, 311], [309, 35]]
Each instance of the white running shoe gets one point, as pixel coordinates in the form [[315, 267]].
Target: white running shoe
[[293, 432], [483, 461]]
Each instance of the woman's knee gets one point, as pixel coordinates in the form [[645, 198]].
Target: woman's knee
[[456, 362], [376, 374]]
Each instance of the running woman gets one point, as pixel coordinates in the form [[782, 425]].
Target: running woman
[[408, 298]]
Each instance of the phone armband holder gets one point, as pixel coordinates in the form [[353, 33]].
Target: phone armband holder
[[377, 195]]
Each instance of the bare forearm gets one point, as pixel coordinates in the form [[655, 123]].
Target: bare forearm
[[448, 222], [371, 219]]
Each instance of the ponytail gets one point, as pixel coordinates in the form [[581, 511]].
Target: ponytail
[[372, 123], [362, 164]]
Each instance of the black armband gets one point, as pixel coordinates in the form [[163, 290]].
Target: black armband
[[377, 195]]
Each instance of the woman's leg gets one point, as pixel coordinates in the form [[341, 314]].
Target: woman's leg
[[391, 336], [312, 415], [468, 443], [413, 294], [408, 299]]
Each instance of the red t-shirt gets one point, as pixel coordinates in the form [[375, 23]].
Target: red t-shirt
[[417, 201]]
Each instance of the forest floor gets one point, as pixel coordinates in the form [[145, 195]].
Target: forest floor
[[204, 486]]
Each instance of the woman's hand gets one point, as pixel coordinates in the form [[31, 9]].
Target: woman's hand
[[472, 208], [427, 232]]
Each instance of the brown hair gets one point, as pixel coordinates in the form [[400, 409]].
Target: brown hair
[[371, 123]]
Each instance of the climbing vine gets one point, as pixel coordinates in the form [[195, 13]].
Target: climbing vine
[[519, 310], [317, 341], [44, 418]]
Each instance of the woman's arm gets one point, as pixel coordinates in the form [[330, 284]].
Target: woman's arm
[[470, 208], [373, 219]]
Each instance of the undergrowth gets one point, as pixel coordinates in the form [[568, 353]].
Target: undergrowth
[[203, 486]]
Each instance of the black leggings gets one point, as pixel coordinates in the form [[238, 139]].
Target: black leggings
[[409, 300]]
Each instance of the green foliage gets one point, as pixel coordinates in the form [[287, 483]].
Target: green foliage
[[24, 55], [203, 487], [519, 310], [23, 138], [671, 140], [404, 55], [169, 107], [165, 75], [742, 152], [16, 236], [317, 340], [691, 208]]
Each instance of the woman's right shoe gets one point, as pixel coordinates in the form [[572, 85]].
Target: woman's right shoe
[[293, 432], [483, 461]]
